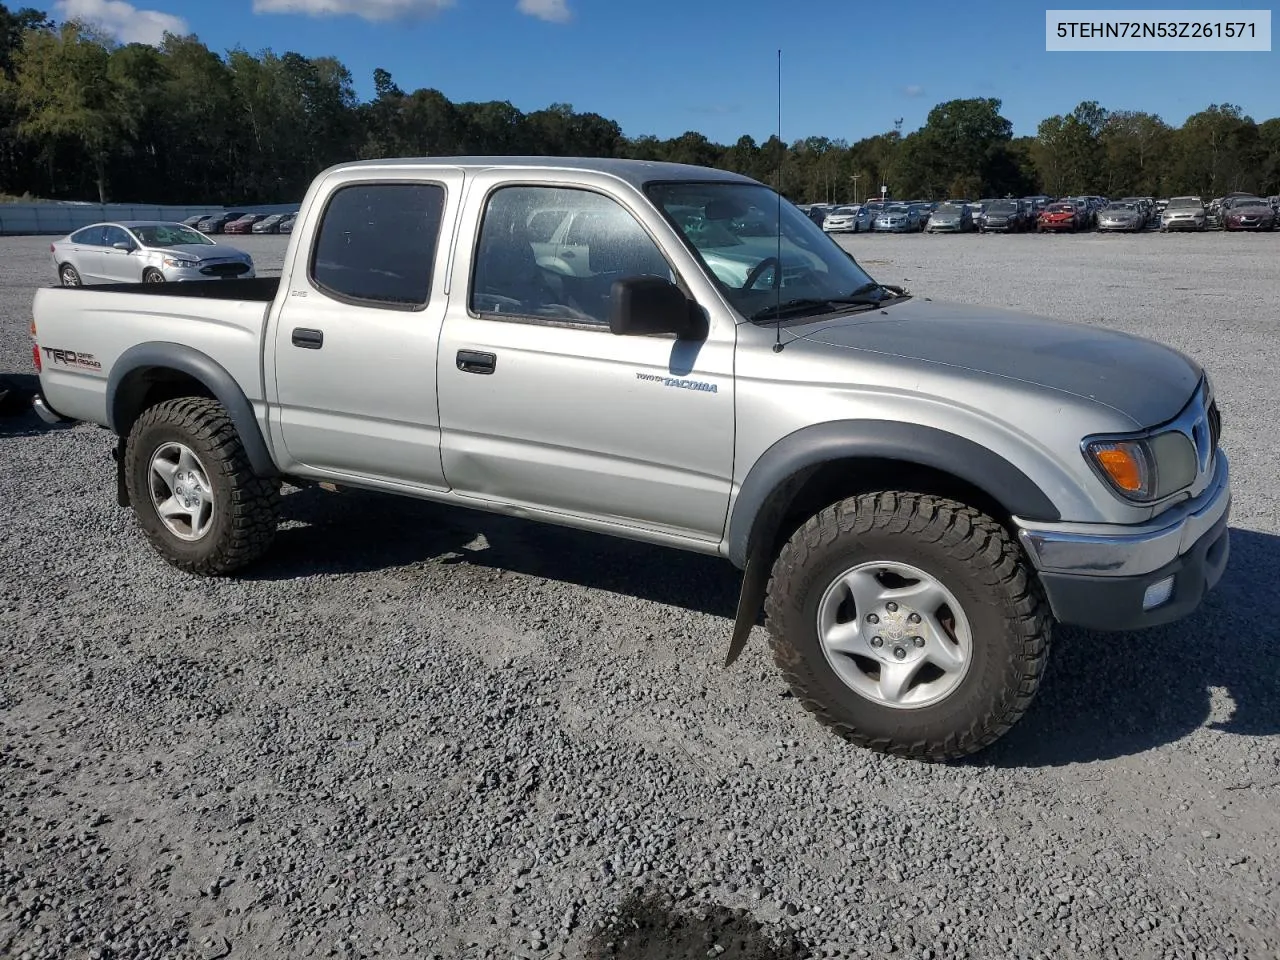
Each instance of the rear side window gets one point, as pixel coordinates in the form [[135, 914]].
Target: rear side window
[[377, 244], [89, 236]]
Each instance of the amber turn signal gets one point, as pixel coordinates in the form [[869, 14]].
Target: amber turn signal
[[1126, 465]]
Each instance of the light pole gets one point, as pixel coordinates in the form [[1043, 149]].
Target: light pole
[[854, 178]]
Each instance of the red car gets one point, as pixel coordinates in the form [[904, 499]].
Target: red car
[[1057, 216], [1247, 213], [244, 224]]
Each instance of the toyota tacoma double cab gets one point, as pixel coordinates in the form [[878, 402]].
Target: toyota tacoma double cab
[[914, 491]]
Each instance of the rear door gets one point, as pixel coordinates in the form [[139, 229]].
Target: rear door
[[86, 253], [353, 358]]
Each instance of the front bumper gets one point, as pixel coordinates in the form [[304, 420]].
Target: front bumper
[[1098, 577], [1184, 223], [189, 274]]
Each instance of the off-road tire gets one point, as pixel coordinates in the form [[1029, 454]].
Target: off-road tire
[[246, 506], [976, 559]]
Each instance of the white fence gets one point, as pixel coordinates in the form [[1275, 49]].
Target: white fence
[[62, 218]]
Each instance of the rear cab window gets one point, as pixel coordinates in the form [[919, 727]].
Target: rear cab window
[[376, 244]]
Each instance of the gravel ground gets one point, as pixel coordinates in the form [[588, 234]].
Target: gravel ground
[[420, 732]]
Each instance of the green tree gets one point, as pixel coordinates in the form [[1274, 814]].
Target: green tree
[[65, 93]]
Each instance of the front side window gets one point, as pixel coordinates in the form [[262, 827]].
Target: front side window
[[758, 257], [377, 244], [553, 253], [113, 235]]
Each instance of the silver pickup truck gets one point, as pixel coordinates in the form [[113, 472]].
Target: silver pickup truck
[[914, 490]]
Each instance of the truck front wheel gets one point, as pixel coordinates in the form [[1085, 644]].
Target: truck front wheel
[[195, 495], [910, 624]]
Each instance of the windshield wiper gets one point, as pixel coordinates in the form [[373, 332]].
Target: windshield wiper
[[801, 305]]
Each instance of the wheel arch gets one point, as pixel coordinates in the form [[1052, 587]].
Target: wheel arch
[[149, 373], [845, 457]]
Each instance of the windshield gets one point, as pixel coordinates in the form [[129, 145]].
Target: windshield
[[721, 223], [845, 211], [1060, 208], [1191, 202], [1245, 202], [1004, 206], [1120, 206], [948, 208], [169, 235], [895, 210]]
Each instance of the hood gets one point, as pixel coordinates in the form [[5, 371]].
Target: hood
[[198, 251], [1144, 380]]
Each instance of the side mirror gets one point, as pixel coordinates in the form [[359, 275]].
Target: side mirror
[[124, 245], [642, 306]]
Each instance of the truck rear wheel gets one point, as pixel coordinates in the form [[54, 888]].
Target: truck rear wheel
[[194, 493], [910, 624]]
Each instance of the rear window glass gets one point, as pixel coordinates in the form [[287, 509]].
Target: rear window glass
[[377, 243]]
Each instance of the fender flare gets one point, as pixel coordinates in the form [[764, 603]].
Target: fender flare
[[184, 359], [911, 443]]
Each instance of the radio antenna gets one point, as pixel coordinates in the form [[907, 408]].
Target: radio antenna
[[777, 326]]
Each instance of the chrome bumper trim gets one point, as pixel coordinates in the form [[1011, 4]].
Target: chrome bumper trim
[[1112, 550], [46, 412]]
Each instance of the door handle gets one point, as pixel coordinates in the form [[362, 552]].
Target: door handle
[[308, 339], [474, 361]]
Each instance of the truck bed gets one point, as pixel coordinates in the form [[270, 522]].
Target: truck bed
[[81, 333]]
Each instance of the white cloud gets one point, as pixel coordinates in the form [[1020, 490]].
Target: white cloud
[[553, 11], [913, 90], [368, 9], [123, 20]]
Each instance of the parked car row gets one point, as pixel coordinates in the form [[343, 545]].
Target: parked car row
[[241, 223], [1044, 214]]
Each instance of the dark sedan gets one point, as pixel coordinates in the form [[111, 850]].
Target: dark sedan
[[1247, 213]]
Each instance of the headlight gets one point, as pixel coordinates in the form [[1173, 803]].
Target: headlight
[[181, 264], [1145, 469]]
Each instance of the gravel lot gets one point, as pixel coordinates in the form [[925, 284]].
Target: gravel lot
[[416, 732]]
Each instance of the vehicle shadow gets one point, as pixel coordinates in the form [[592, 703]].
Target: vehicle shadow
[[358, 531], [650, 925], [1113, 695], [17, 418], [1105, 695]]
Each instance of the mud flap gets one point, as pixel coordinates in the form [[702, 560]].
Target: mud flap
[[122, 488], [754, 581]]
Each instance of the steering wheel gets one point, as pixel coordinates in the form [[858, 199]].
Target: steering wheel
[[758, 270]]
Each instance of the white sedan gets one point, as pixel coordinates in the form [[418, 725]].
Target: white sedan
[[850, 219], [145, 251]]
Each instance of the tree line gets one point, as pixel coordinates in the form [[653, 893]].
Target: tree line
[[83, 117]]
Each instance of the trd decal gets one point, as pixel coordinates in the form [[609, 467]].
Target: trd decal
[[700, 385], [69, 358]]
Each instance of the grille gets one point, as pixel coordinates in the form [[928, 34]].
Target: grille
[[1215, 425], [225, 269]]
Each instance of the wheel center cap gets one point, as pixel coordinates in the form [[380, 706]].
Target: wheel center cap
[[898, 637]]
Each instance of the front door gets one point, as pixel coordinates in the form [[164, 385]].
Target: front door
[[354, 352], [542, 406], [119, 266]]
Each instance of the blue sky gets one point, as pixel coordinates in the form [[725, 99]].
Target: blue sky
[[666, 66]]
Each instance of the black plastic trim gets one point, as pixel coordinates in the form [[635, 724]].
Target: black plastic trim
[[163, 355], [1115, 603], [884, 440]]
